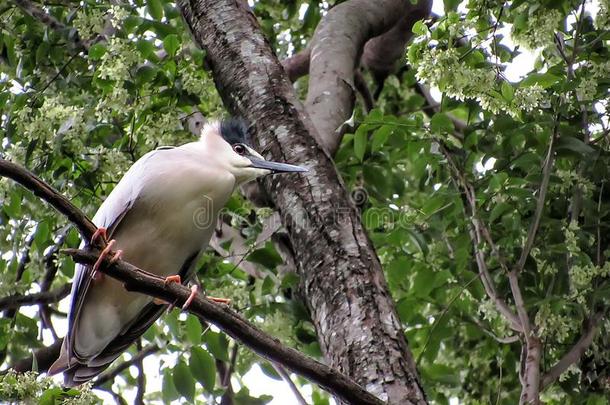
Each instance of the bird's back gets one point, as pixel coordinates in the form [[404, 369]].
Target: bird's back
[[171, 200]]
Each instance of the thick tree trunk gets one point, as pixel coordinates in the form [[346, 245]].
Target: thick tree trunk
[[342, 278]]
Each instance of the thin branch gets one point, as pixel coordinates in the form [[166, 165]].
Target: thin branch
[[36, 12], [544, 185], [233, 324], [18, 300], [575, 353], [477, 240], [295, 390], [141, 381], [110, 375], [48, 194], [44, 358]]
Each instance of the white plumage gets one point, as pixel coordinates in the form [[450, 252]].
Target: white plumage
[[161, 214]]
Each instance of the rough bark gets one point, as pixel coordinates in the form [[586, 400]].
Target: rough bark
[[336, 47], [341, 276]]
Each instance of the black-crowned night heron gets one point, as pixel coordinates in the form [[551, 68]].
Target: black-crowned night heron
[[160, 217]]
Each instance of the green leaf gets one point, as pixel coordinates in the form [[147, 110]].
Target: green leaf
[[183, 381], [145, 47], [419, 28], [441, 123], [171, 43], [499, 210], [573, 145], [155, 9], [203, 367], [145, 74], [544, 80], [193, 329], [168, 389], [360, 141], [508, 92], [217, 345], [380, 137], [96, 51], [266, 256]]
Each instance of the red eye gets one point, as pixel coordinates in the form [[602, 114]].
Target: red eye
[[239, 149]]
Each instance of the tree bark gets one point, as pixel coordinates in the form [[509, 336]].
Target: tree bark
[[336, 47], [342, 279]]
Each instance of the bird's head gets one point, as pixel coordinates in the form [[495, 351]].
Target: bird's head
[[229, 141]]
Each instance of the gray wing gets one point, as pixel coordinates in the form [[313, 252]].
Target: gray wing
[[80, 373], [110, 215]]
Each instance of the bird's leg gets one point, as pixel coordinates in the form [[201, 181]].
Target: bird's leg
[[102, 257], [194, 291], [169, 279], [173, 279], [99, 232], [219, 300]]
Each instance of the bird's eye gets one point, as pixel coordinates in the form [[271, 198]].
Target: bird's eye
[[239, 149]]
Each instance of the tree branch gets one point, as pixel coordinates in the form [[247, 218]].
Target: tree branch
[[295, 391], [48, 194], [233, 324], [138, 357], [36, 12], [336, 47], [18, 300], [544, 186], [44, 358], [575, 353]]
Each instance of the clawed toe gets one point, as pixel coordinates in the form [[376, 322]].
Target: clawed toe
[[102, 257]]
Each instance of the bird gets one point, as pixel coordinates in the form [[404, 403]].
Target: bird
[[159, 217]]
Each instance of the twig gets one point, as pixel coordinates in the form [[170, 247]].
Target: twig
[[44, 358], [18, 300], [110, 375], [36, 12], [290, 383], [544, 185], [477, 239], [141, 381], [48, 194]]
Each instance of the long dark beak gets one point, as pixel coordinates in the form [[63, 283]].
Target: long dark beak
[[274, 166]]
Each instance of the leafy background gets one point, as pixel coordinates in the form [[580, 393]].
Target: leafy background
[[78, 112]]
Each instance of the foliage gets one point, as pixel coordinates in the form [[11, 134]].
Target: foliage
[[79, 119]]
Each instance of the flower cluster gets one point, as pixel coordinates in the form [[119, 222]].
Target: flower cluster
[[118, 15], [89, 22], [22, 387], [581, 271], [444, 69], [529, 98], [590, 75], [118, 60], [539, 30], [602, 20], [551, 324]]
